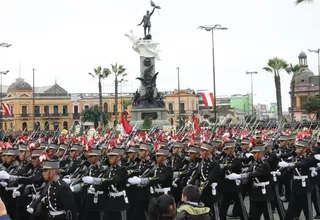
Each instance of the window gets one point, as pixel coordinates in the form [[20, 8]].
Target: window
[[65, 125], [24, 110], [86, 106], [55, 109], [303, 99], [47, 126], [37, 110], [24, 126], [114, 110], [46, 110], [75, 109], [11, 109], [182, 110], [105, 107], [65, 110], [171, 110]]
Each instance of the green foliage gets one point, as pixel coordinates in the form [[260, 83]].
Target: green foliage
[[94, 114], [126, 103], [312, 105], [204, 124], [147, 123], [212, 120]]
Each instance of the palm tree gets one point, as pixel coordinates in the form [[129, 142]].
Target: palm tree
[[119, 72], [300, 1], [94, 114], [275, 65], [295, 70], [101, 74], [126, 103]]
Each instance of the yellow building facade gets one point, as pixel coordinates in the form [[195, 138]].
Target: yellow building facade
[[55, 108]]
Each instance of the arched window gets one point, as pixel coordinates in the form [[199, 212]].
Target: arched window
[[56, 126], [37, 125], [5, 126], [11, 125], [65, 125], [105, 107], [24, 126], [46, 126], [76, 123]]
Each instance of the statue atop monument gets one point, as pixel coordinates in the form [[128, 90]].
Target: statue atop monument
[[146, 20]]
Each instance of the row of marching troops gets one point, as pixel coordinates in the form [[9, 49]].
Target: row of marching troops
[[79, 182]]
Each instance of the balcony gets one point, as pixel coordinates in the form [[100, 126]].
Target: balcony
[[24, 115], [65, 114], [55, 115], [183, 111], [6, 116], [37, 114], [76, 116], [171, 112], [46, 115]]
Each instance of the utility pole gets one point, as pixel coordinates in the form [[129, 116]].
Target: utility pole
[[34, 100], [179, 97], [1, 73], [251, 73]]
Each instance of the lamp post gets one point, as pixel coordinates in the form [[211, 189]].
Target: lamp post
[[33, 99], [1, 73], [212, 28], [5, 45], [317, 51], [121, 81], [251, 73], [116, 81], [179, 97]]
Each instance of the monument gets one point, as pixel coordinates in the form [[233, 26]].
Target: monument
[[147, 101]]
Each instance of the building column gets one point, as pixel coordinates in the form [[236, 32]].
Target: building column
[[298, 103]]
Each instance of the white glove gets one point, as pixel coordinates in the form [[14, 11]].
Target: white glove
[[249, 155], [276, 173], [15, 194], [30, 210], [3, 184], [75, 188], [4, 175], [68, 181], [318, 164], [91, 190], [134, 180], [283, 164], [314, 173], [91, 180], [13, 177], [317, 156], [175, 175], [233, 176]]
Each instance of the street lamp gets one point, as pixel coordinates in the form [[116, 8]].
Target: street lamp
[[5, 45], [317, 51], [121, 81], [179, 97], [251, 73], [1, 73], [116, 96], [212, 28], [33, 99]]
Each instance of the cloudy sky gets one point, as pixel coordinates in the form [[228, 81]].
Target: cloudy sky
[[65, 39]]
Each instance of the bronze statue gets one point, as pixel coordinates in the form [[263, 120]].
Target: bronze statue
[[146, 20]]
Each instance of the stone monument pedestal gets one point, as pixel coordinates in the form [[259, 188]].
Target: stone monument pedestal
[[159, 117]]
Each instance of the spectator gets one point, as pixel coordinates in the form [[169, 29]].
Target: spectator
[[3, 211], [161, 208], [191, 208]]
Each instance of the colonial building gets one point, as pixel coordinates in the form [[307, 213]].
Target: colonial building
[[55, 108], [303, 85]]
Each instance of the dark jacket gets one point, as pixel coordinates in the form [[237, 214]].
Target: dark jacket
[[188, 211], [5, 217]]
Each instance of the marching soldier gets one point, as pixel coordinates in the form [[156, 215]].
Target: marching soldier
[[75, 159], [302, 185], [259, 175], [58, 196]]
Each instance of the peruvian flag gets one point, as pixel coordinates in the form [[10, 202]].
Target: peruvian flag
[[125, 127], [196, 124], [6, 109], [208, 99]]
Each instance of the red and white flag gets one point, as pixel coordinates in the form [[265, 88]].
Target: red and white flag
[[125, 127], [208, 99], [6, 109]]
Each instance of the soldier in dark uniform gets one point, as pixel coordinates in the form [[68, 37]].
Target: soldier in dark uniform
[[178, 164], [209, 174], [160, 179], [191, 170], [258, 175], [114, 182], [94, 199], [74, 160], [302, 185], [231, 189], [58, 197], [144, 167]]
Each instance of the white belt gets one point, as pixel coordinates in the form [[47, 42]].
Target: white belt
[[162, 190], [117, 194], [56, 213], [302, 178], [11, 188], [262, 184], [95, 195]]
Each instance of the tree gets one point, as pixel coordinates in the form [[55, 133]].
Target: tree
[[275, 66], [126, 103], [101, 74], [312, 105], [295, 70], [119, 72], [147, 123], [95, 115], [304, 1]]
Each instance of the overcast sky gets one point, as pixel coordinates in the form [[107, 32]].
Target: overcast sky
[[66, 39]]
